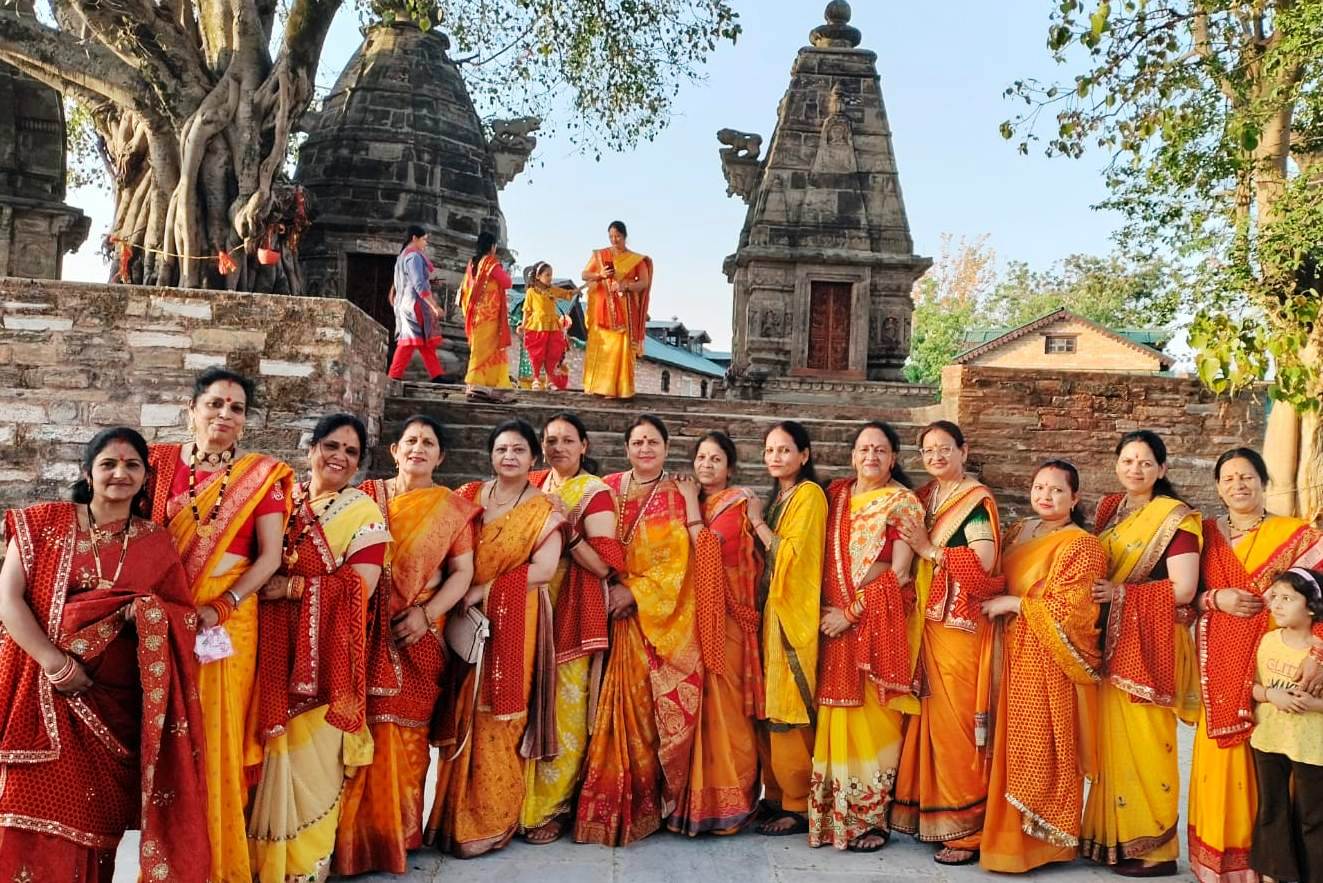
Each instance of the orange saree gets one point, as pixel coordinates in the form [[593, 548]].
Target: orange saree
[[1042, 741], [647, 714], [723, 769], [479, 791], [381, 816], [486, 323], [616, 323]]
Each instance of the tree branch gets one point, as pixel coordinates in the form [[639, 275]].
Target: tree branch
[[61, 61]]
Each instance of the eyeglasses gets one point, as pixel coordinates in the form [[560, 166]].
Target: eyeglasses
[[929, 453]]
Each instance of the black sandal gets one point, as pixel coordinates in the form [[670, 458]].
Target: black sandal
[[884, 836], [800, 826]]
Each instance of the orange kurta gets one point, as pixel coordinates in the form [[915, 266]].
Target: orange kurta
[[1041, 749]]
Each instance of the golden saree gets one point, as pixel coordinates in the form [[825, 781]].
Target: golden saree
[[789, 596], [866, 675], [225, 687], [647, 714], [76, 771], [616, 322], [486, 322], [381, 816], [1149, 680], [942, 785], [579, 602], [311, 703], [1223, 785], [723, 770], [480, 790], [1042, 740]]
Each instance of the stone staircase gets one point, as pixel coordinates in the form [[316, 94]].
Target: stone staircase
[[831, 426]]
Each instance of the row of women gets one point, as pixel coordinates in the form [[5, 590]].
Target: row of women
[[252, 668]]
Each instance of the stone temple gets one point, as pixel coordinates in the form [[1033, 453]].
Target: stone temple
[[825, 262]]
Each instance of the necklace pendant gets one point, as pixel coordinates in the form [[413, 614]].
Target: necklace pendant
[[291, 559], [104, 584], [206, 530]]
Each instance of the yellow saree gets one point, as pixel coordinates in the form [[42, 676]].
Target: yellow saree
[[486, 323], [615, 325]]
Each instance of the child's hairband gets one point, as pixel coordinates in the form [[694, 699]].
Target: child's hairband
[[1313, 580]]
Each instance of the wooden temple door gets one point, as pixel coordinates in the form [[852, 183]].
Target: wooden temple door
[[829, 327]]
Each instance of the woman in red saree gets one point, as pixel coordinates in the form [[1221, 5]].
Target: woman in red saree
[[723, 769], [225, 511], [617, 314], [647, 715], [486, 312], [493, 729], [429, 568], [1042, 743], [942, 785], [1245, 551], [100, 728], [869, 647]]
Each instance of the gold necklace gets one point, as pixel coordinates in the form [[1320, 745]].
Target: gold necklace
[[491, 496], [627, 535], [938, 502], [102, 583]]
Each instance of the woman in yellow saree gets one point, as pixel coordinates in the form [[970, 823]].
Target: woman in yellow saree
[[488, 734], [486, 312], [942, 785], [792, 538], [1150, 678], [617, 313], [870, 646], [1043, 712], [1245, 551], [592, 556], [647, 714], [723, 770], [225, 512], [310, 708], [381, 816]]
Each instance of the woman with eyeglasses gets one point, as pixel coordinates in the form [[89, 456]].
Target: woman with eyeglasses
[[941, 789], [311, 662]]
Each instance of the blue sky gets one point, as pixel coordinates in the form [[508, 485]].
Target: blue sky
[[942, 77]]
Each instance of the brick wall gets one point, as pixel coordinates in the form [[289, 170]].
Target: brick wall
[[1015, 418], [77, 357]]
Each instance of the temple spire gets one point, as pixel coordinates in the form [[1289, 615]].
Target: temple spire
[[837, 32]]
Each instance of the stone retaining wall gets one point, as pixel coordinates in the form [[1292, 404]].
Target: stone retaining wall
[[75, 358]]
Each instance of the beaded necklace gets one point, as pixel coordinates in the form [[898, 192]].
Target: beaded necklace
[[627, 535], [101, 582], [289, 546], [227, 457]]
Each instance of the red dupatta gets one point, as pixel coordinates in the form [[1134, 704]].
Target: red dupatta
[[33, 715]]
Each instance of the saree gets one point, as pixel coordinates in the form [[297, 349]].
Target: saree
[[722, 789], [942, 784], [578, 599], [486, 322], [257, 484], [1223, 784], [310, 713], [480, 790], [1042, 746], [616, 323], [789, 596], [77, 771], [381, 816], [1150, 679], [647, 713], [866, 675]]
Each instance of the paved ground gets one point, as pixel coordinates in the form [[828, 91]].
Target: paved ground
[[667, 857]]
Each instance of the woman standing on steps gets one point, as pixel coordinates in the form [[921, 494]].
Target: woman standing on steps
[[417, 316], [790, 526], [486, 324], [593, 556], [429, 568], [942, 785], [225, 512], [617, 314], [869, 647]]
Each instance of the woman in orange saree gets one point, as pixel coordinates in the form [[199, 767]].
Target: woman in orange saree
[[100, 729], [489, 733], [647, 714], [1244, 553], [617, 313], [310, 720], [723, 770], [942, 785], [1150, 677], [225, 511], [381, 816], [1042, 739], [592, 556], [870, 646], [486, 312]]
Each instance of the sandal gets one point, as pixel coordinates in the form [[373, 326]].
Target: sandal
[[945, 855], [800, 825], [546, 833], [884, 836]]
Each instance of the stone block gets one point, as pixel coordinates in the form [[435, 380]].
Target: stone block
[[79, 435], [8, 433], [202, 361], [228, 339], [158, 358], [161, 415], [115, 414], [188, 309], [60, 472], [22, 412], [146, 339], [37, 323], [279, 368]]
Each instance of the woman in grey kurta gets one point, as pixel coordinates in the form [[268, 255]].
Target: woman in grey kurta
[[417, 317]]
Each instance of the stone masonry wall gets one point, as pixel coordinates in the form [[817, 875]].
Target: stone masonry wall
[[1015, 418], [75, 358]]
